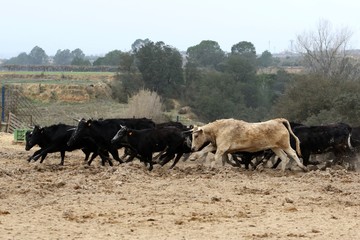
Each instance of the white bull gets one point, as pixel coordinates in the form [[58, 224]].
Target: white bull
[[231, 135]]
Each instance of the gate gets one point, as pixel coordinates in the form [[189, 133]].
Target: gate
[[16, 110]]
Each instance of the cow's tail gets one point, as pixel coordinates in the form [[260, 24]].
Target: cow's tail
[[297, 141]]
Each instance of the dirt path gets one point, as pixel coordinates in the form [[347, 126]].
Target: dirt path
[[75, 201]]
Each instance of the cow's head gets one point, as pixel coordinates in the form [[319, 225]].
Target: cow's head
[[187, 135], [80, 131], [121, 134], [198, 139], [28, 135], [34, 137]]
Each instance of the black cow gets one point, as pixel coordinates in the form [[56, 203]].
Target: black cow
[[178, 125], [247, 157], [323, 139], [147, 141], [54, 138], [183, 150], [355, 138], [186, 131], [102, 131]]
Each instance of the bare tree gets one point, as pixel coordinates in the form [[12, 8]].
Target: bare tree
[[325, 52]]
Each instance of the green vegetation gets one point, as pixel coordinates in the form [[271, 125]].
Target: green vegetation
[[216, 84]]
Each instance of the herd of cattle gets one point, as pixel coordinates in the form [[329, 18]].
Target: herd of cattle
[[243, 141]]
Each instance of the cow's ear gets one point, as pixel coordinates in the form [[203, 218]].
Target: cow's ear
[[199, 130]]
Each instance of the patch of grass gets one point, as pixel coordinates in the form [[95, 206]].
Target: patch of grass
[[54, 77], [64, 112]]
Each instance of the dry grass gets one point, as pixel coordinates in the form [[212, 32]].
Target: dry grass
[[147, 104], [143, 104]]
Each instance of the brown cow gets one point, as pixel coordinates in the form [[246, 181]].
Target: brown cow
[[231, 135]]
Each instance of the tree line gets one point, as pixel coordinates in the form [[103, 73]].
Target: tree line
[[217, 84], [222, 85]]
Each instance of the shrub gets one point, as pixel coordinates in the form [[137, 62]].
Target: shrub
[[147, 104]]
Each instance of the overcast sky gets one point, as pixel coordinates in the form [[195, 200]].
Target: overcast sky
[[100, 26]]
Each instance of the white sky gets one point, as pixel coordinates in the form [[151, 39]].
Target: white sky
[[100, 26]]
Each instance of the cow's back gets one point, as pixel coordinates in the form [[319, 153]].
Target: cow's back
[[245, 136]]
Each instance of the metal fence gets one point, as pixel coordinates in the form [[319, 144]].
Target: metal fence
[[15, 104]]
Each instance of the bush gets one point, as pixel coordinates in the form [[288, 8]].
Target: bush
[[147, 104]]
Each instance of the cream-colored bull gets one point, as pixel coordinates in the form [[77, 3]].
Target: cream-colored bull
[[231, 135]]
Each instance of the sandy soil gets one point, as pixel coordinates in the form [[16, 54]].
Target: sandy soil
[[75, 201]]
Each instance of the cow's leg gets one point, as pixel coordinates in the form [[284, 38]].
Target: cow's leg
[[276, 164], [148, 159], [178, 156], [131, 157], [43, 156], [62, 154], [107, 158], [237, 162], [186, 156], [130, 154], [160, 154], [306, 156], [167, 158], [291, 152], [93, 156], [44, 152], [265, 158], [91, 159], [96, 153], [225, 159], [281, 154], [35, 153], [246, 160], [219, 155], [203, 152], [87, 153], [114, 152], [198, 155]]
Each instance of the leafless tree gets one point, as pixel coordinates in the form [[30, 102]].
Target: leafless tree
[[325, 52]]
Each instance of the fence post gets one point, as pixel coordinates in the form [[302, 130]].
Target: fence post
[[3, 103]]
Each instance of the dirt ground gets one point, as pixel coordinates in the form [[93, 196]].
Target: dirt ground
[[192, 201]]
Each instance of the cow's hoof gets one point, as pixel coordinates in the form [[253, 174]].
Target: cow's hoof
[[312, 168], [259, 168]]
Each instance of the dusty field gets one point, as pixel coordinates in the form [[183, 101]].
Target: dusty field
[[46, 201]]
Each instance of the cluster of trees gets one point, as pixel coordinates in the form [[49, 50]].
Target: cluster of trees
[[214, 83], [221, 85], [38, 56]]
